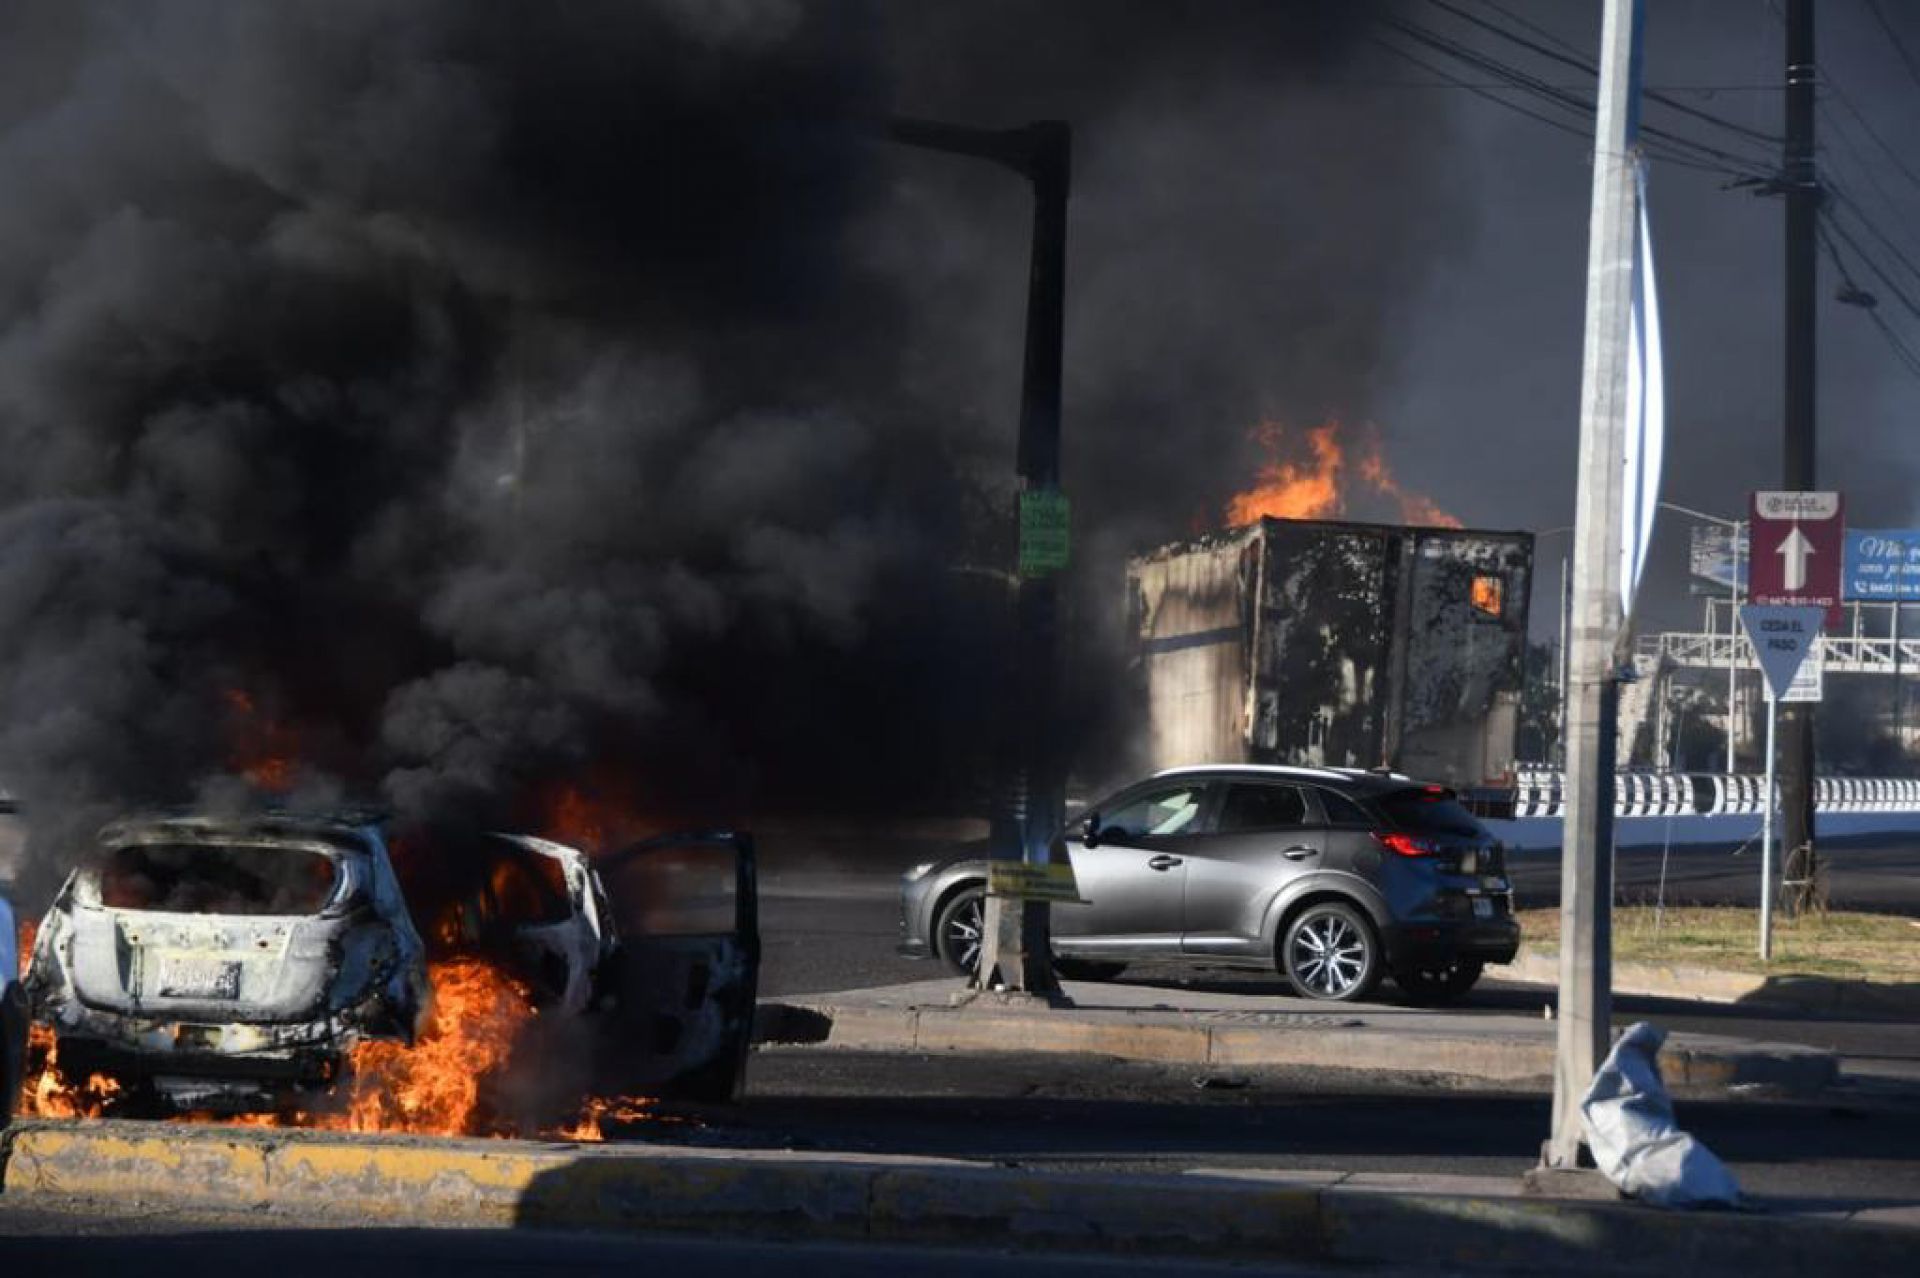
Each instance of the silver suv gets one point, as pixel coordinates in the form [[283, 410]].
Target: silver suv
[[1334, 877]]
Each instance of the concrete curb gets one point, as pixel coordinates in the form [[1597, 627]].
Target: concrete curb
[[1820, 994], [1689, 1062], [924, 1201]]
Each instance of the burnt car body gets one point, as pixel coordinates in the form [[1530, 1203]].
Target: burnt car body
[[230, 965], [227, 964], [13, 1013], [535, 907], [1335, 878]]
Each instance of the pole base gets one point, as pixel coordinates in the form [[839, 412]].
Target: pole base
[[1016, 1000]]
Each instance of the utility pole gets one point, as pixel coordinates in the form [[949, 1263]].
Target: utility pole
[[1803, 207], [1586, 856], [1016, 955]]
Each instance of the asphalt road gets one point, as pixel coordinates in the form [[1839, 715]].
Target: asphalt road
[[828, 929], [82, 1241]]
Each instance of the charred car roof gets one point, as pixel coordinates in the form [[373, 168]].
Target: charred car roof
[[344, 831]]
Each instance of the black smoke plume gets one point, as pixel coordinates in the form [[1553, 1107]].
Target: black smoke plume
[[471, 397]]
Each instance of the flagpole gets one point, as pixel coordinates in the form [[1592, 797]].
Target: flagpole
[[1766, 834]]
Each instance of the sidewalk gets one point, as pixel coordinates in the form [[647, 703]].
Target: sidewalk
[[1184, 1026]]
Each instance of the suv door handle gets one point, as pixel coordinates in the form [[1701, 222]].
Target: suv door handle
[[1298, 853], [1163, 862]]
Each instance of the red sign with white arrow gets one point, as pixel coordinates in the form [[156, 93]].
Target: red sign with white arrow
[[1796, 546]]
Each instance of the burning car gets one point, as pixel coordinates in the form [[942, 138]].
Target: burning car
[[226, 964], [535, 908], [216, 966]]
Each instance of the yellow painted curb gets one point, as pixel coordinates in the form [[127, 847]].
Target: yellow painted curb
[[776, 1193]]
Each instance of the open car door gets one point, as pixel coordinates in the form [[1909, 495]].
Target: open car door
[[677, 993]]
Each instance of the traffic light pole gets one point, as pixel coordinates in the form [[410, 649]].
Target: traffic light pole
[[1016, 956]]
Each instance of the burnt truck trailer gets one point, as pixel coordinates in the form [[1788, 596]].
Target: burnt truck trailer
[[1335, 645]]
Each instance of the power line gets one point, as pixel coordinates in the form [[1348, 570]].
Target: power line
[[1847, 202], [1480, 91], [1893, 38], [1534, 27], [1661, 154], [1880, 273], [1842, 97], [1900, 348], [1580, 63], [1855, 156], [1704, 90], [1745, 165]]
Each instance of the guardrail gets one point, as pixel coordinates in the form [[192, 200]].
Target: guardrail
[[1540, 793]]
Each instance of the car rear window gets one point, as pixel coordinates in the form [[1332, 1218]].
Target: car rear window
[[1261, 807], [1429, 810], [1340, 809], [225, 878]]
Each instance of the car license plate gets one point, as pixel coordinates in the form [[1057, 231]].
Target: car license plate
[[182, 977], [1482, 907]]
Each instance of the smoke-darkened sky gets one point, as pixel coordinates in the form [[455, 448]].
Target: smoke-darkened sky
[[496, 395]]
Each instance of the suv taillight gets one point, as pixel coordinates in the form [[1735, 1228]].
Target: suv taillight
[[1405, 844]]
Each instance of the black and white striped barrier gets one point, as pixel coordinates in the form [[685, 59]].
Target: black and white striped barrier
[[1538, 793]]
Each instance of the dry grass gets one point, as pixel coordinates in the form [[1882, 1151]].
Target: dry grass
[[1866, 947]]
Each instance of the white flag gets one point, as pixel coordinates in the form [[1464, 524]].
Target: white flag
[[1646, 410]]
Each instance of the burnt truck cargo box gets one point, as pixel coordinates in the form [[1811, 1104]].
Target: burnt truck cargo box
[[1335, 645]]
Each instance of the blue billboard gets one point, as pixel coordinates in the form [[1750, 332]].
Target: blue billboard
[[1882, 566]]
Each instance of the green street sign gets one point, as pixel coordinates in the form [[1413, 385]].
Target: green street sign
[[1043, 532]]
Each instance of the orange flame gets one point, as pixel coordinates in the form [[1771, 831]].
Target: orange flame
[[591, 817], [265, 752], [618, 1109], [437, 1087], [1316, 487]]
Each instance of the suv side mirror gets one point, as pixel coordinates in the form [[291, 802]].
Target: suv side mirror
[[1090, 830]]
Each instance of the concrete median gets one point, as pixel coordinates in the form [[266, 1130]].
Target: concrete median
[[1130, 1023], [1296, 1217]]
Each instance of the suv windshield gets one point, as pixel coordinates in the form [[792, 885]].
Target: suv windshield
[[216, 878], [1430, 810]]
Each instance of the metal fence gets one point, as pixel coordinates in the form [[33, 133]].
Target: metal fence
[[1540, 793]]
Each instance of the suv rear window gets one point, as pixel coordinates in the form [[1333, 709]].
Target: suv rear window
[[1261, 807], [1429, 810], [215, 878]]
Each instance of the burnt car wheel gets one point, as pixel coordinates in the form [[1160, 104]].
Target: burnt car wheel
[[960, 931], [1330, 953], [1439, 982]]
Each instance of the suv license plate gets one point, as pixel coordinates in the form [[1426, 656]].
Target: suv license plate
[[1482, 907]]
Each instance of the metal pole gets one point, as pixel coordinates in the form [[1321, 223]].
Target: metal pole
[[1766, 837], [1586, 859], [1566, 613], [1899, 701], [1803, 206], [1733, 647], [1024, 954], [1016, 955]]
